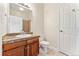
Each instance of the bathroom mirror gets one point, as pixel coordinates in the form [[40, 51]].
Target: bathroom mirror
[[19, 19]]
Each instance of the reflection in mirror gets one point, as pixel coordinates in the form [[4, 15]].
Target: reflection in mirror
[[19, 18]]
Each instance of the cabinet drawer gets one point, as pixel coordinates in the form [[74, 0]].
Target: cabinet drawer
[[32, 40], [15, 52], [13, 45]]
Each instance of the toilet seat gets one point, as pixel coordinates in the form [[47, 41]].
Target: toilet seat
[[44, 42]]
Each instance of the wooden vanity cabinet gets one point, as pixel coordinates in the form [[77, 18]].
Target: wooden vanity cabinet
[[28, 47]]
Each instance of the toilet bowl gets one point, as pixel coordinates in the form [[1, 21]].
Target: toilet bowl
[[44, 45]]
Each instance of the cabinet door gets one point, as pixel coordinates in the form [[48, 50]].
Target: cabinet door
[[32, 49], [15, 52], [35, 48], [27, 51]]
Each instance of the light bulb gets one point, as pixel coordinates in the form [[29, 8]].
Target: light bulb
[[21, 9]]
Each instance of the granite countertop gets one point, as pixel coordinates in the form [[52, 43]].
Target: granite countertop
[[12, 39]]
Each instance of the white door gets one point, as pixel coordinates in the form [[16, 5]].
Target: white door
[[77, 32], [67, 25]]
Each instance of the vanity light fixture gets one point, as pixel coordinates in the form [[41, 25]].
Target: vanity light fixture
[[22, 5]]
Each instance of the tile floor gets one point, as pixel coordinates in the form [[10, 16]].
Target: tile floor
[[50, 53]]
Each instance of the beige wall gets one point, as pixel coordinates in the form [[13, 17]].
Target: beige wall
[[37, 25], [51, 24], [45, 21]]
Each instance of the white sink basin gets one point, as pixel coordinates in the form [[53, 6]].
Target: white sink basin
[[24, 35]]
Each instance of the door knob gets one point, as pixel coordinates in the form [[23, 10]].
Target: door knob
[[61, 30]]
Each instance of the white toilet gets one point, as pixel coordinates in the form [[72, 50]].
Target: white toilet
[[44, 45]]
